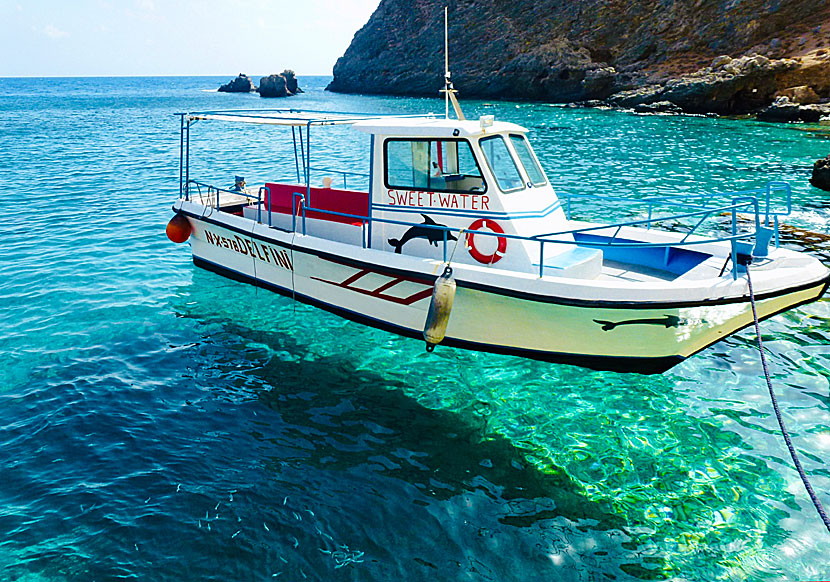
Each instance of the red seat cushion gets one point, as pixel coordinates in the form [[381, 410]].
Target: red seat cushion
[[278, 199]]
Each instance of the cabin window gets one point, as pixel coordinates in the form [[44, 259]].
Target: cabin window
[[528, 160], [432, 165], [501, 163]]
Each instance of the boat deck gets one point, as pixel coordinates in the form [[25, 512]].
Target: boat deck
[[230, 202], [612, 270], [615, 270]]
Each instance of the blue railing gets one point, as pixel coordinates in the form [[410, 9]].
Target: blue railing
[[765, 197], [211, 190], [746, 202]]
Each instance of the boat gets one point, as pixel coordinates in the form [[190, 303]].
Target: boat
[[637, 295]]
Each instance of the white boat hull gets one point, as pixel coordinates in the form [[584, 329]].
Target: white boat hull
[[392, 292]]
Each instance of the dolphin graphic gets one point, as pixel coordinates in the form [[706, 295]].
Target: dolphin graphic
[[668, 321], [433, 235]]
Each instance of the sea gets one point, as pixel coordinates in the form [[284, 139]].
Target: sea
[[160, 422]]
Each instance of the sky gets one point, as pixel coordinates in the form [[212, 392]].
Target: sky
[[78, 38]]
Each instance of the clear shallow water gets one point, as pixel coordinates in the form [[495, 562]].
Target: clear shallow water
[[160, 422]]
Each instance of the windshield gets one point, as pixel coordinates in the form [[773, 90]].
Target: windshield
[[528, 160], [501, 163]]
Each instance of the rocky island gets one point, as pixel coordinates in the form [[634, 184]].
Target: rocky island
[[696, 56], [274, 85], [241, 84]]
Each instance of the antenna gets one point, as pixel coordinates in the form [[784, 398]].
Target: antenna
[[448, 91], [447, 83]]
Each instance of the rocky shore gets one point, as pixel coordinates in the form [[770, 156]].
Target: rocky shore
[[773, 89], [726, 58]]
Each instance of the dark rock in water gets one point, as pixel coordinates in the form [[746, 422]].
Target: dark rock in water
[[241, 84], [814, 112], [782, 110], [658, 107], [590, 104], [291, 82], [637, 97], [821, 174], [282, 85], [273, 86]]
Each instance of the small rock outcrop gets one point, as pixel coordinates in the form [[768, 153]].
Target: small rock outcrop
[[291, 81], [273, 86], [781, 110], [821, 174], [241, 84], [658, 107], [784, 110], [282, 85]]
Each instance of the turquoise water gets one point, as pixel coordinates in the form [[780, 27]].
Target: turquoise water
[[159, 422]]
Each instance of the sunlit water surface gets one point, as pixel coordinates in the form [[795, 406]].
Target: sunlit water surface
[[159, 422]]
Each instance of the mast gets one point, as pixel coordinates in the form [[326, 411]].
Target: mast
[[447, 83], [448, 91]]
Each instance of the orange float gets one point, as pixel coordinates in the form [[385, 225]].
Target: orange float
[[178, 229]]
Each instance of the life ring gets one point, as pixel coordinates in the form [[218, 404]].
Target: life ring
[[477, 254]]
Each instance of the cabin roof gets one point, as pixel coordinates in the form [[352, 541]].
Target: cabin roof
[[428, 125], [293, 117], [432, 127]]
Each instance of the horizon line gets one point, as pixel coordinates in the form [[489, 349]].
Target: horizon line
[[144, 76]]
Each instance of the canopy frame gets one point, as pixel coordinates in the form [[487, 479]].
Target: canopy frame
[[296, 119]]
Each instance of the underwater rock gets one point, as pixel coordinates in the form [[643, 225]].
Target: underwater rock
[[241, 84]]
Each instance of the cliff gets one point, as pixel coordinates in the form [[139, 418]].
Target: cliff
[[576, 50]]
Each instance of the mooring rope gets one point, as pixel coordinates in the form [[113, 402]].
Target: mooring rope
[[293, 266], [784, 432], [460, 234]]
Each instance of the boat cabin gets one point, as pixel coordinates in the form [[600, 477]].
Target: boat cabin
[[436, 188]]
